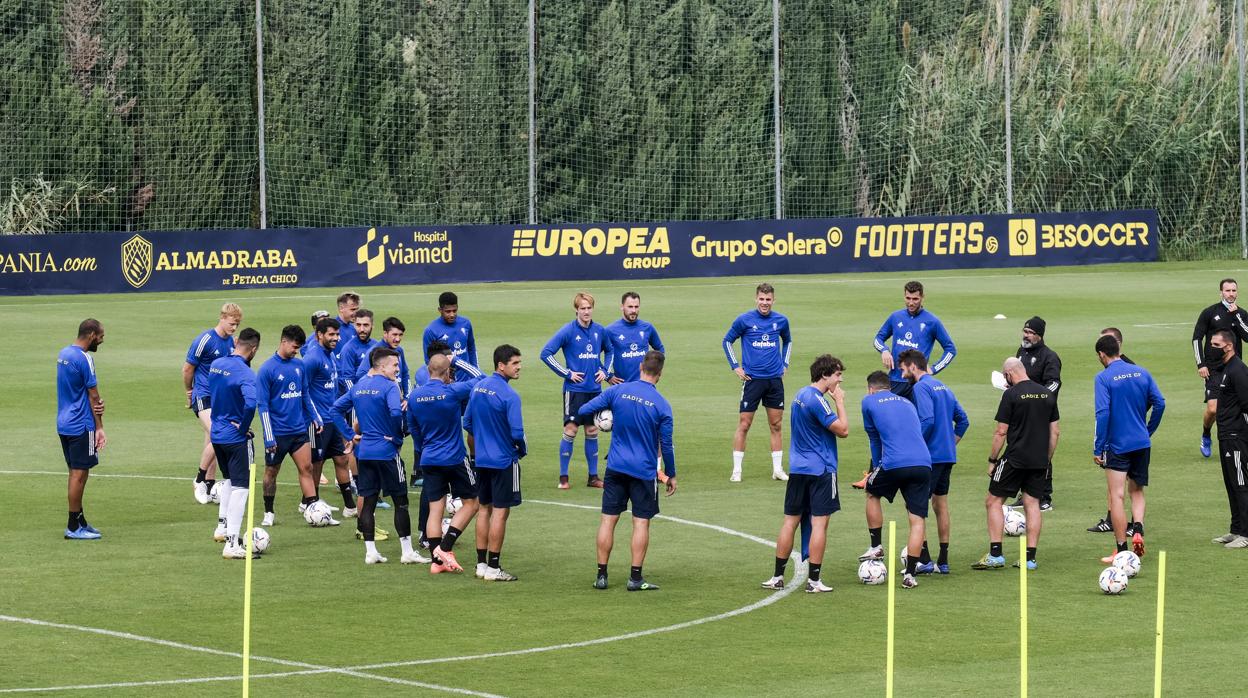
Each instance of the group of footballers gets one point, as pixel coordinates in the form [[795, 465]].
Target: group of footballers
[[354, 401]]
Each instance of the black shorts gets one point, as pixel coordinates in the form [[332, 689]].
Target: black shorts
[[768, 391], [914, 482], [940, 478], [572, 403], [287, 444], [374, 477], [327, 444], [235, 460], [903, 388], [1211, 385], [816, 495], [499, 487], [201, 404], [459, 480], [80, 451], [1007, 481], [1133, 463], [618, 490]]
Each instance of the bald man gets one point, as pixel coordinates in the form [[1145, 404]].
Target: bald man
[[1027, 429]]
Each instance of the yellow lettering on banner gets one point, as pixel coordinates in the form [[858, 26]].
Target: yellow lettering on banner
[[570, 244], [616, 238], [637, 241], [595, 241]]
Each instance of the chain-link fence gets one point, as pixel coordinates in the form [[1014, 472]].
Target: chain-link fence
[[164, 114]]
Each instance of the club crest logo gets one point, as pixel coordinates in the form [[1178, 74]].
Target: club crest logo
[[136, 261]]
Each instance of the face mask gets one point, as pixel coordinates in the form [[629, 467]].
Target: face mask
[[1213, 357]]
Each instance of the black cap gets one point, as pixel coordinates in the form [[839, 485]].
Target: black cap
[[1036, 324]]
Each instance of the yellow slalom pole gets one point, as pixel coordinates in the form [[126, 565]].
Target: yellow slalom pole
[[890, 561], [1022, 610], [251, 487], [1161, 618]]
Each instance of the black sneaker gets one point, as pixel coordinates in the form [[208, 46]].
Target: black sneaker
[[601, 582], [641, 585], [1130, 529], [1046, 506], [1102, 526]]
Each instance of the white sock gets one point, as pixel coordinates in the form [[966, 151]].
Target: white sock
[[370, 547], [406, 542], [238, 507], [775, 460], [737, 457], [223, 494]]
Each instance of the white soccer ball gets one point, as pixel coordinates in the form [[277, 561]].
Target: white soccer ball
[[214, 494], [1015, 523], [446, 524], [872, 572], [317, 514], [1113, 580], [260, 539], [1128, 562], [453, 504], [604, 420]]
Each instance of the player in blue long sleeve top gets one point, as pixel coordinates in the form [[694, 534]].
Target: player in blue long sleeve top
[[630, 336], [766, 347], [642, 430], [392, 331], [232, 387], [348, 306], [321, 371], [378, 406], [912, 327], [1125, 397], [944, 423], [80, 420], [456, 331], [209, 345], [355, 350], [899, 461], [583, 343], [289, 419], [496, 423]]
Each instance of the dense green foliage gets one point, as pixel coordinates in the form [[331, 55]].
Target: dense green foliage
[[415, 112]]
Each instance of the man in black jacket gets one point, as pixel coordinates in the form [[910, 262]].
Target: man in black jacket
[[1043, 366], [1232, 418], [1223, 315]]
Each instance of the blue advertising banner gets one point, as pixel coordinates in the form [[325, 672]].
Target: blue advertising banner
[[213, 259]]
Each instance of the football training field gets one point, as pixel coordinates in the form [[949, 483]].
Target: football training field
[[152, 608]]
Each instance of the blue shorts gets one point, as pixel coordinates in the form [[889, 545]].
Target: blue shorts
[[618, 490], [201, 404], [572, 403], [327, 444], [914, 482], [940, 478], [1133, 463], [234, 460], [373, 477], [903, 388], [80, 451], [286, 446], [816, 495], [499, 487], [459, 480], [768, 391]]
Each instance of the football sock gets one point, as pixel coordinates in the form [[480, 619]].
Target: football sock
[[449, 538], [912, 562], [1031, 554], [480, 556], [223, 497], [1122, 545], [1208, 431], [209, 483], [591, 455], [924, 555], [370, 546], [73, 520], [815, 571], [238, 507], [634, 573], [602, 569], [994, 549], [943, 558], [776, 460], [201, 476], [348, 499], [268, 504], [435, 543], [305, 501], [422, 519], [494, 560], [406, 543], [875, 536], [565, 453], [1139, 527], [737, 458], [1107, 513], [781, 562], [402, 517]]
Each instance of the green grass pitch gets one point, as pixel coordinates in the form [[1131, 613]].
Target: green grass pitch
[[316, 607]]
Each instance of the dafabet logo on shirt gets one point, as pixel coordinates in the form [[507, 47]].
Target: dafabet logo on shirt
[[136, 261]]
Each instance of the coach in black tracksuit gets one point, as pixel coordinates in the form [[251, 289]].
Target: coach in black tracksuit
[[1043, 366], [1232, 419], [1223, 315]]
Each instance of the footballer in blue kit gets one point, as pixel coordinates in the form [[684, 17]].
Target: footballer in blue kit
[[321, 371], [232, 385], [901, 462], [766, 347], [392, 331], [912, 327], [80, 420], [355, 349], [208, 346], [583, 343], [348, 306], [630, 337], [456, 331], [642, 432], [814, 427]]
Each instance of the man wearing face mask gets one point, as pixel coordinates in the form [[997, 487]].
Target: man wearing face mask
[[1232, 406], [1223, 315], [1044, 367]]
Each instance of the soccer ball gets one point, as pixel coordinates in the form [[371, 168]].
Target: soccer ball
[[317, 514], [1015, 523], [604, 420], [446, 524], [260, 539], [453, 504], [214, 494], [1128, 562], [872, 572], [1113, 580]]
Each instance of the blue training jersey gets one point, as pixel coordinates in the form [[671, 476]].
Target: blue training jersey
[[404, 377], [941, 417], [464, 372], [921, 331], [322, 374], [642, 429], [892, 425], [496, 423], [75, 374], [460, 338], [812, 448], [434, 420], [378, 406], [283, 399], [582, 349], [1124, 394], [629, 342], [352, 355], [232, 385], [207, 347], [766, 345]]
